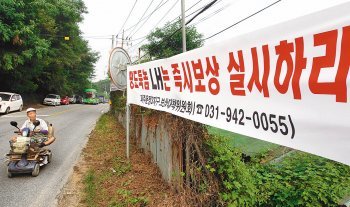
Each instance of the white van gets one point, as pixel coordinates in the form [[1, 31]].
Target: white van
[[10, 102]]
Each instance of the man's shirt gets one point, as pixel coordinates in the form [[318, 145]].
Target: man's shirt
[[30, 125]]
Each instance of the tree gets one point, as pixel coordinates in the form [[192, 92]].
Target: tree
[[34, 56], [21, 45], [102, 86], [167, 41]]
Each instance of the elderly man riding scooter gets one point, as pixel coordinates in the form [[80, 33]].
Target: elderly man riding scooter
[[42, 128]]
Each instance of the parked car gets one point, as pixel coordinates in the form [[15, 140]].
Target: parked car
[[101, 99], [10, 102], [52, 99], [72, 99], [79, 99], [65, 100]]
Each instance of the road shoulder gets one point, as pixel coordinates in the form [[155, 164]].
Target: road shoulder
[[104, 177]]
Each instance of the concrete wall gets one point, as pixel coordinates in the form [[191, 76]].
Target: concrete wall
[[157, 141]]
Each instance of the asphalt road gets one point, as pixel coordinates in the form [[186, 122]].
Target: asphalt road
[[72, 125]]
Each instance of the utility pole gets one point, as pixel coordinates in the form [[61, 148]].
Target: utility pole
[[123, 39], [139, 55], [105, 73], [112, 41], [183, 26]]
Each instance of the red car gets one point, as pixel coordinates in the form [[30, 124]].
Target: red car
[[65, 100]]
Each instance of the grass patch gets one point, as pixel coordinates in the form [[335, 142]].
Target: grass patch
[[129, 199], [106, 164], [90, 188], [110, 178], [248, 145]]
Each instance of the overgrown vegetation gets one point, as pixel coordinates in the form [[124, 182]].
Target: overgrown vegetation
[[109, 165], [130, 199], [237, 183], [90, 188], [110, 179], [248, 145], [118, 100], [35, 57], [300, 179]]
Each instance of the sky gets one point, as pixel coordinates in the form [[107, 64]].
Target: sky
[[108, 17]]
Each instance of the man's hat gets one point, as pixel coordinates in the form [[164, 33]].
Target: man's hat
[[31, 109]]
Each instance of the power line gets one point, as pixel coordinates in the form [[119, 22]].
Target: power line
[[127, 17], [243, 19], [202, 9], [144, 38], [167, 38], [192, 12], [186, 11], [134, 46], [141, 17], [157, 7], [145, 21], [193, 5], [140, 38], [186, 15], [171, 8], [205, 8], [107, 37], [212, 14]]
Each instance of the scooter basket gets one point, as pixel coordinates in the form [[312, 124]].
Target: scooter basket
[[21, 145]]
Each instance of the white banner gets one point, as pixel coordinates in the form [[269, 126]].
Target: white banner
[[287, 84]]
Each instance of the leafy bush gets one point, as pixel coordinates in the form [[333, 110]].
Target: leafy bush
[[237, 183], [300, 179], [304, 180], [118, 100]]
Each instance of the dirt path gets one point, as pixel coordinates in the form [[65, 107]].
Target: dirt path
[[104, 177]]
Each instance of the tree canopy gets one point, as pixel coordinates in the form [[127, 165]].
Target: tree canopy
[[35, 57], [102, 87], [167, 41]]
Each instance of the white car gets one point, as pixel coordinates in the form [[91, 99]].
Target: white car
[[10, 102], [72, 99], [52, 99]]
